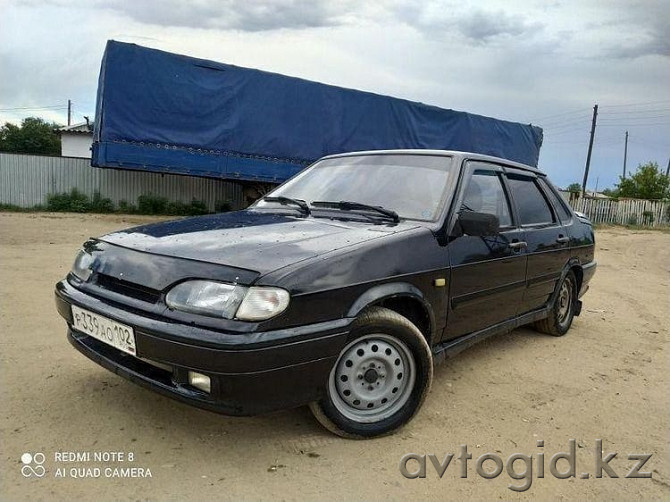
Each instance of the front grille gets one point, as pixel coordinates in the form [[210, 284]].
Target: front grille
[[126, 288]]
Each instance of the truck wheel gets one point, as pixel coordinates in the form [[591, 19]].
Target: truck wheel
[[563, 311], [379, 380]]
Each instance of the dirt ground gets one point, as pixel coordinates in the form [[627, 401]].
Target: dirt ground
[[607, 379]]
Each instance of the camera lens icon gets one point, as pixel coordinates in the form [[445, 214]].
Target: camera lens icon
[[32, 464]]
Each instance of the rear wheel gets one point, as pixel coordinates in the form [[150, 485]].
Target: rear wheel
[[380, 379], [563, 311]]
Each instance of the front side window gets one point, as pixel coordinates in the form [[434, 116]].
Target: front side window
[[531, 204], [414, 186], [485, 194]]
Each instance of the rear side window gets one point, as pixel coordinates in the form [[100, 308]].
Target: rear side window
[[485, 194], [556, 200], [531, 204]]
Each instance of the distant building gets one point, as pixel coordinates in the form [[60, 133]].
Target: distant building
[[596, 195], [76, 140]]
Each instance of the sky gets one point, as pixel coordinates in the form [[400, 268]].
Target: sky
[[541, 62]]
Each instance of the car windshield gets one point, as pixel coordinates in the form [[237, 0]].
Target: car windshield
[[411, 185]]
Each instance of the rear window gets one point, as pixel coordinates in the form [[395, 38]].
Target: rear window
[[531, 205], [557, 201]]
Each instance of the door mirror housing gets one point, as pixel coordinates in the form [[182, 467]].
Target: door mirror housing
[[478, 224]]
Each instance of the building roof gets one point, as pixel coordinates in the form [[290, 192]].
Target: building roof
[[82, 128]]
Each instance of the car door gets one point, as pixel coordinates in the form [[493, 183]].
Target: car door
[[487, 273], [548, 241]]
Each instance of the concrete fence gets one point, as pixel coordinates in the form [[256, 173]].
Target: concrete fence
[[26, 180]]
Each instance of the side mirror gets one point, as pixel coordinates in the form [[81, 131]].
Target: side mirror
[[478, 224]]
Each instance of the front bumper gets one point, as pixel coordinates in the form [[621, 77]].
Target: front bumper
[[250, 373]]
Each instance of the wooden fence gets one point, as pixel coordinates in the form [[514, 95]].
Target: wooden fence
[[651, 213]]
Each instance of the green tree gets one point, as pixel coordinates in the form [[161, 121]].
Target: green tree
[[34, 135], [574, 188], [648, 182]]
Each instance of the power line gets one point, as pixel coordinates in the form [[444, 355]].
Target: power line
[[51, 107], [623, 124], [547, 117], [566, 124], [636, 112], [647, 143], [566, 131], [578, 120], [618, 109], [646, 103], [648, 117]]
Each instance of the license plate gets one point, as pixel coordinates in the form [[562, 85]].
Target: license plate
[[111, 332]]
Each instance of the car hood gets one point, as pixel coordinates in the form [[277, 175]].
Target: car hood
[[252, 240]]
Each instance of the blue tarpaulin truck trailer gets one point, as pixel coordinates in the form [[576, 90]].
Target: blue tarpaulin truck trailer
[[164, 112]]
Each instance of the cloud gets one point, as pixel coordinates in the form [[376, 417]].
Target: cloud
[[478, 26], [521, 60], [482, 27], [647, 41], [657, 46], [243, 15], [639, 29]]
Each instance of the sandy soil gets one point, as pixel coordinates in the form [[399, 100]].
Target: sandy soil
[[608, 379]]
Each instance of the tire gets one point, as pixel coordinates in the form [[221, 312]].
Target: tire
[[393, 363], [563, 310]]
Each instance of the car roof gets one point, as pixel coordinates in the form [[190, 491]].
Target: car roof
[[446, 153]]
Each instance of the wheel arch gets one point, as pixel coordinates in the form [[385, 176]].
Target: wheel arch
[[572, 265], [403, 298]]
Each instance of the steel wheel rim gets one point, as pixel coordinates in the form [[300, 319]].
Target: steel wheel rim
[[373, 378], [564, 301]]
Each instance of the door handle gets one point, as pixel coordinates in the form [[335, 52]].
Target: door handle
[[562, 239], [518, 245]]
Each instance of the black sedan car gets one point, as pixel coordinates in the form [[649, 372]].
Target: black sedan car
[[340, 289]]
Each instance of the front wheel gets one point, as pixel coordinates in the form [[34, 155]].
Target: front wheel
[[380, 379], [563, 311]]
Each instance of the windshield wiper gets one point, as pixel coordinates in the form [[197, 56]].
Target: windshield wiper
[[304, 207], [353, 206]]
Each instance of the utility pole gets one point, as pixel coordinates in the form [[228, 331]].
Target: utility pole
[[588, 155], [69, 112], [667, 170], [625, 154]]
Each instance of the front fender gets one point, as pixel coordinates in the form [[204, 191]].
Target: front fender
[[386, 291]]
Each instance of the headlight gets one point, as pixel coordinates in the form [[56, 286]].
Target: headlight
[[82, 265], [228, 301], [206, 297]]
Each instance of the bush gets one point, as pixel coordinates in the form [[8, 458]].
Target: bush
[[632, 220], [152, 204], [78, 202], [198, 207], [155, 204], [124, 207], [195, 208], [75, 202], [101, 204], [12, 208], [647, 218], [223, 206]]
